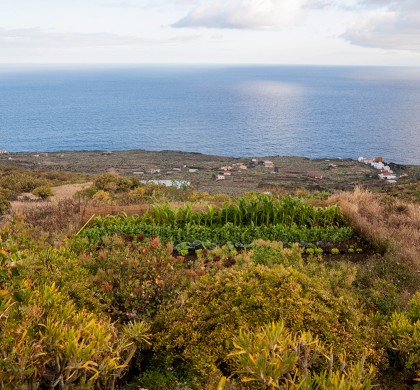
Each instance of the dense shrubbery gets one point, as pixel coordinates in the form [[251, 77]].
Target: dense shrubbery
[[46, 340], [276, 358], [197, 330], [403, 341], [74, 313]]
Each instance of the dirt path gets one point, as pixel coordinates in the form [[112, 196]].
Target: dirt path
[[65, 191]]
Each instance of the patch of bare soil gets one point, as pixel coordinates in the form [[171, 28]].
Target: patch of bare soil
[[27, 201]]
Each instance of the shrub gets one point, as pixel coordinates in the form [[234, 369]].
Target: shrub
[[276, 358], [271, 253], [42, 192], [196, 331], [46, 341], [4, 205], [102, 196], [383, 283], [413, 312], [133, 278], [404, 345]]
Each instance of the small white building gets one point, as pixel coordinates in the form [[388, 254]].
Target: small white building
[[220, 177], [378, 165], [387, 176]]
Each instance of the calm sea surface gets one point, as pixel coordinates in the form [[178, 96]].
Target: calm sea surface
[[234, 111]]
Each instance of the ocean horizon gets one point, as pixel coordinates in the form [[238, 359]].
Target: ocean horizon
[[238, 111]]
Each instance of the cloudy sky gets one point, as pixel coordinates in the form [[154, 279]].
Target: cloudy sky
[[353, 32]]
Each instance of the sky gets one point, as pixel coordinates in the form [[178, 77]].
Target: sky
[[333, 32]]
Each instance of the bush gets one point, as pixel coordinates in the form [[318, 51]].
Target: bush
[[102, 196], [47, 341], [42, 192], [383, 282], [133, 278], [196, 331], [271, 253], [4, 205], [276, 358], [404, 340]]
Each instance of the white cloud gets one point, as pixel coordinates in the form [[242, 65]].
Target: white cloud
[[243, 14], [34, 37], [387, 25]]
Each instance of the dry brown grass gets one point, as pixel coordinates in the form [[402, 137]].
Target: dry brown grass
[[392, 226], [58, 220], [87, 210]]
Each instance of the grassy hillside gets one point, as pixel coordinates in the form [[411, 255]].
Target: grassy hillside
[[199, 291]]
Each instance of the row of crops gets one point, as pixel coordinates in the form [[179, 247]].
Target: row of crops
[[222, 234], [256, 210], [243, 220]]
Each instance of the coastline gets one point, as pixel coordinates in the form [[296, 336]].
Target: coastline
[[212, 173]]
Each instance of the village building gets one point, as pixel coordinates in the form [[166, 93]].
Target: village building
[[220, 176], [365, 160], [268, 164], [387, 176], [378, 165]]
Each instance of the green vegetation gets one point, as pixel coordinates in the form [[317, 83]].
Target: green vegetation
[[277, 358], [223, 234], [242, 221], [110, 188], [239, 295], [43, 192], [15, 181]]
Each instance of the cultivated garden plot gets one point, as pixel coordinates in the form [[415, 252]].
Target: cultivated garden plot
[[238, 222]]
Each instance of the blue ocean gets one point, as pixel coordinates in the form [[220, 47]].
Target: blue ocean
[[311, 111]]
